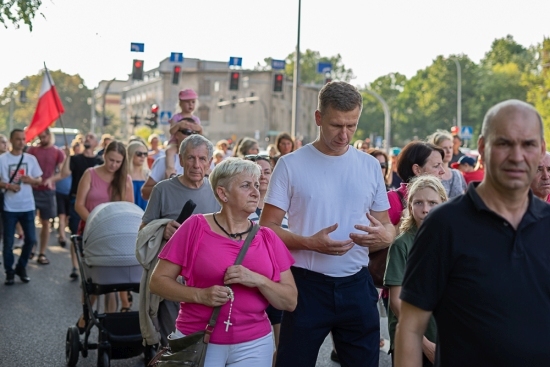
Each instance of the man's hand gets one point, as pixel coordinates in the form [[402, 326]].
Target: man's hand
[[184, 124], [49, 183], [13, 187], [321, 242], [170, 229], [428, 348], [377, 236], [29, 180]]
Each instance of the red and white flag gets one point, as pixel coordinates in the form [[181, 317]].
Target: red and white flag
[[48, 109]]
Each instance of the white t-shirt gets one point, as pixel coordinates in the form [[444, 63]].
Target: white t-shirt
[[23, 200], [158, 171], [317, 190]]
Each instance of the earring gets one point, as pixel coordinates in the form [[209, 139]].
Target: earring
[[225, 200]]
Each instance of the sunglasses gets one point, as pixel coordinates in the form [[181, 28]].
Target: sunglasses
[[383, 165], [255, 157], [187, 132], [141, 154]]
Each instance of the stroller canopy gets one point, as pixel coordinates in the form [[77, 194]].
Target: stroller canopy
[[110, 234]]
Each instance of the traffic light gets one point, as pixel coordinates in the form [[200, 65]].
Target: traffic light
[[278, 83], [176, 75], [137, 70], [153, 119], [135, 120], [23, 96], [234, 81]]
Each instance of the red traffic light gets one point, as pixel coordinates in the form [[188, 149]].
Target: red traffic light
[[235, 75], [138, 63], [154, 109], [177, 69], [279, 77]]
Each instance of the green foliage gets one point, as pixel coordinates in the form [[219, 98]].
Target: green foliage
[[308, 67], [72, 92], [19, 11], [538, 85]]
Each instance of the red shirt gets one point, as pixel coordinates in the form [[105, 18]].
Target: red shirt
[[48, 158]]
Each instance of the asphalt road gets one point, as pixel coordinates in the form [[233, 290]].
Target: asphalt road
[[34, 318]]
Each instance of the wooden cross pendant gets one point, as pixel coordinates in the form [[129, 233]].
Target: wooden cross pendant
[[227, 324]]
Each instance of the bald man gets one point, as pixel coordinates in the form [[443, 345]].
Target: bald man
[[541, 183], [480, 263]]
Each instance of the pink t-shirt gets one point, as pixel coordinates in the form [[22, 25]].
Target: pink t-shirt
[[396, 205], [176, 118], [99, 192], [204, 257]]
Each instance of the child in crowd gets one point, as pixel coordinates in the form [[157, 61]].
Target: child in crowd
[[424, 193], [188, 100]]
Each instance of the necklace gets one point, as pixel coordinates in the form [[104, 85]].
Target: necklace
[[231, 296], [232, 235]]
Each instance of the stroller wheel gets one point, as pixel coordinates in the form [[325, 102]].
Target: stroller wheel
[[103, 357], [72, 346]]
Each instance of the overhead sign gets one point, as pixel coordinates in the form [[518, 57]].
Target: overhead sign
[[165, 117], [137, 47], [176, 57], [467, 132], [278, 64], [324, 67], [235, 61]]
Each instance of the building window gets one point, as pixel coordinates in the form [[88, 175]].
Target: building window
[[204, 88], [204, 113], [216, 86]]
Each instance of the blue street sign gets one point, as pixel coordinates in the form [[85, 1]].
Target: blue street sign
[[165, 117], [137, 47], [235, 61], [467, 132], [176, 57], [278, 64], [378, 142], [324, 67]]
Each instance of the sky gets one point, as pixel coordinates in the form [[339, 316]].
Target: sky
[[374, 38]]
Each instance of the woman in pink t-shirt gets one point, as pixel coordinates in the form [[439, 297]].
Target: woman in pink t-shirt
[[203, 251]]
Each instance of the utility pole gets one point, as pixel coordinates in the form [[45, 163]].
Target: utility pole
[[295, 84]]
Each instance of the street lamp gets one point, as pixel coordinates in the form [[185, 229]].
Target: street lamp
[[387, 118], [458, 95]]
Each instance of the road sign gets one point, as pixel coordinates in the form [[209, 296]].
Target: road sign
[[278, 64], [324, 67], [235, 61], [165, 117], [467, 132], [378, 142], [137, 47], [176, 57]]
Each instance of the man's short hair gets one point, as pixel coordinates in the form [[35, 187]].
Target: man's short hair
[[14, 131], [226, 170], [487, 127], [195, 141], [341, 96]]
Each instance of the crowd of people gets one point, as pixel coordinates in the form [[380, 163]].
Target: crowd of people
[[452, 296]]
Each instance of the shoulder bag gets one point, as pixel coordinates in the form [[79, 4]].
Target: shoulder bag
[[2, 192], [191, 349]]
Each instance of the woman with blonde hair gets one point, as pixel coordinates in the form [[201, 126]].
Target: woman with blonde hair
[[424, 193], [247, 146], [138, 169], [452, 179]]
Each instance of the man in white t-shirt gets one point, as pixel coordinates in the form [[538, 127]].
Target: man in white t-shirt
[[18, 203], [335, 200], [187, 127]]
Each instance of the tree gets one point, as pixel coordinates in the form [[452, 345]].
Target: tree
[[72, 92], [537, 83], [506, 50], [19, 11]]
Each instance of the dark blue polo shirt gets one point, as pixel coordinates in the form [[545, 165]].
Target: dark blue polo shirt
[[487, 284]]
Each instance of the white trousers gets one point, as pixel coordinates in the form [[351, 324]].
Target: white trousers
[[255, 353]]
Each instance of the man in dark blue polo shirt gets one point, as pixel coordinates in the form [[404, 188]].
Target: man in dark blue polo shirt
[[480, 263]]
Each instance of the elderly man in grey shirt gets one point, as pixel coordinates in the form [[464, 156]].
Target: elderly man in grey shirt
[[167, 200]]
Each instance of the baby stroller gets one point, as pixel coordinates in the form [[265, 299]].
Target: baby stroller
[[107, 262]]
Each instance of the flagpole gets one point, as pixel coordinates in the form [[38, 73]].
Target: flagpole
[[57, 107]]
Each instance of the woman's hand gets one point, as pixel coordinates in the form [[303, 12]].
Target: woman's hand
[[216, 295], [238, 274]]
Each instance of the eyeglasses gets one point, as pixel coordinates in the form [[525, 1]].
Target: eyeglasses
[[187, 132], [141, 154], [255, 157], [383, 165]]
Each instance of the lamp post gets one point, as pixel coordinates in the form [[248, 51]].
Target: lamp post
[[296, 77], [387, 118], [458, 95]]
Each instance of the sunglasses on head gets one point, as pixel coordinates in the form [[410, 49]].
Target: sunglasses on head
[[141, 154], [255, 157], [187, 131]]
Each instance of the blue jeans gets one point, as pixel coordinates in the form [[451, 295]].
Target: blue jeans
[[345, 306], [10, 219], [74, 218]]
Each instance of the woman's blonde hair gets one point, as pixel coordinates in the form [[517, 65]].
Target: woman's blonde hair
[[132, 148], [439, 137], [415, 185]]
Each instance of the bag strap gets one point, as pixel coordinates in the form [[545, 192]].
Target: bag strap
[[401, 198], [212, 322], [16, 168]]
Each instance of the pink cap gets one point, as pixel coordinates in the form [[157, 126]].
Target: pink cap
[[187, 94]]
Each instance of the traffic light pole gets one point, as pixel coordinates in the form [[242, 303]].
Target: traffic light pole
[[103, 117], [296, 81]]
